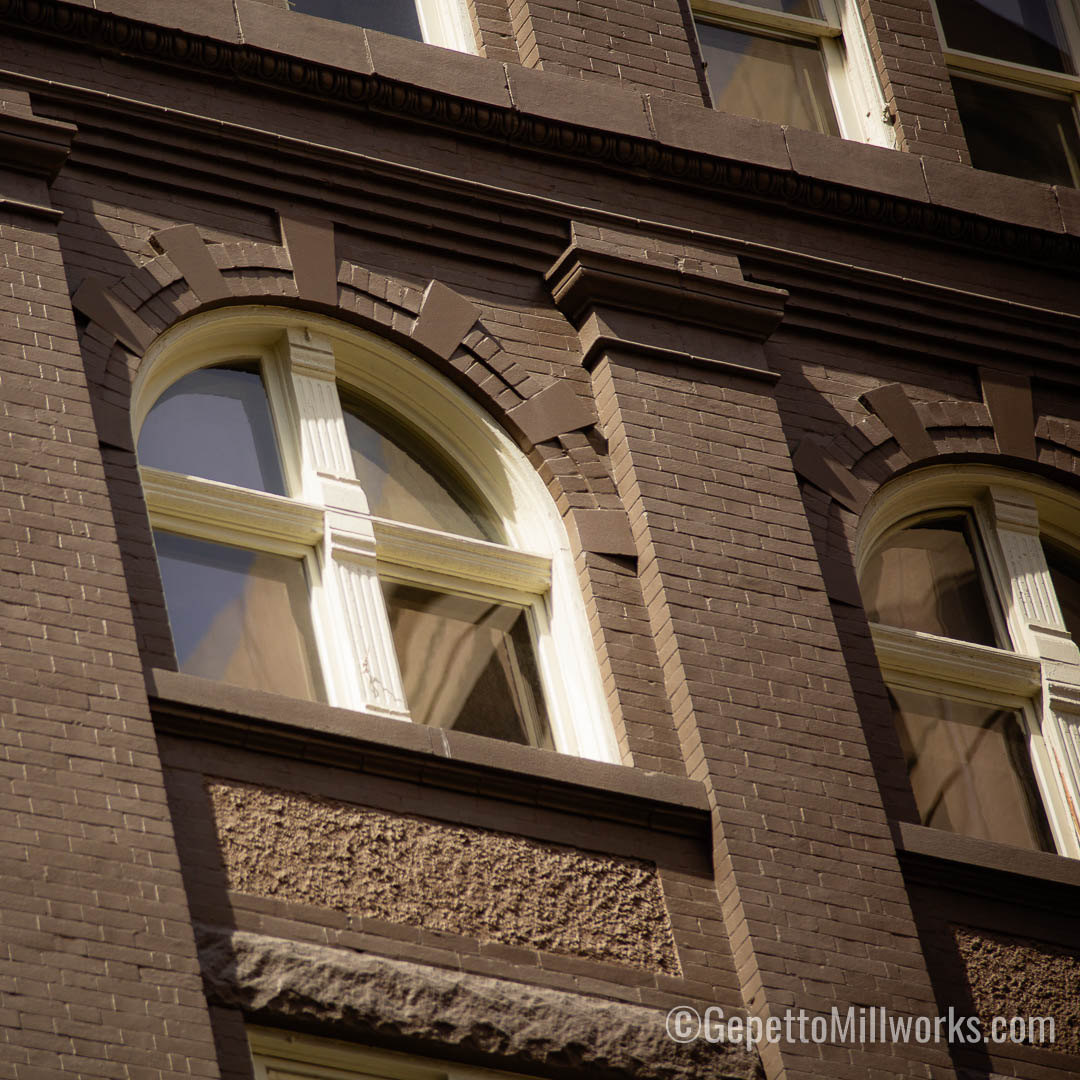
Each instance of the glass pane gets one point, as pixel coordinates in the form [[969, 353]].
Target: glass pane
[[1019, 134], [925, 578], [809, 8], [409, 485], [239, 616], [1020, 31], [970, 769], [390, 16], [1065, 574], [467, 665], [215, 423], [780, 81]]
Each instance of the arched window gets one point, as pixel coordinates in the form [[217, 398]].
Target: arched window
[[334, 521], [971, 581]]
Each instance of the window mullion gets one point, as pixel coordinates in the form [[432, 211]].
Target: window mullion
[[312, 380], [1035, 612], [229, 515], [1061, 727], [368, 662], [1024, 577], [442, 561]]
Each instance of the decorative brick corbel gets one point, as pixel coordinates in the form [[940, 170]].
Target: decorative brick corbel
[[638, 294], [33, 149]]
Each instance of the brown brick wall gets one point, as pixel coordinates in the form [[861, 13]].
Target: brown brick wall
[[644, 45], [814, 901], [100, 977]]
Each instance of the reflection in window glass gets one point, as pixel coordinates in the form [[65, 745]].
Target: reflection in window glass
[[390, 16], [1019, 31], [215, 423], [809, 8], [239, 616], [925, 578], [769, 78], [408, 485], [1033, 136], [1065, 575], [467, 665], [970, 769]]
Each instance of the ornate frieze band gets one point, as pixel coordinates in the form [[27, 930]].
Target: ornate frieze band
[[165, 44]]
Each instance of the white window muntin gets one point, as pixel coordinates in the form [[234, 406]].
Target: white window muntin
[[1040, 674], [324, 520], [854, 86]]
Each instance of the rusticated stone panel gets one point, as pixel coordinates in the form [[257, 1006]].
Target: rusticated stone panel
[[1011, 976], [491, 886]]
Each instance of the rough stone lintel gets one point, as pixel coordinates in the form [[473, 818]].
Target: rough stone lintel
[[358, 996]]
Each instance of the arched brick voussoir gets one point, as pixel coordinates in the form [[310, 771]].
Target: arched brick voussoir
[[1002, 425]]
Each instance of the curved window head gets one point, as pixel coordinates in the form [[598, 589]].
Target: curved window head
[[974, 603], [334, 521]]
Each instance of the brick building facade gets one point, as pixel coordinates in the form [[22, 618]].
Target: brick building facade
[[691, 375]]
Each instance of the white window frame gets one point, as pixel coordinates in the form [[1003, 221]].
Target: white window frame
[[1039, 675], [447, 23], [346, 550], [1022, 77], [854, 87], [282, 1055]]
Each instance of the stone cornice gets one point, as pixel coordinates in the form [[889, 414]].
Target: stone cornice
[[620, 149]]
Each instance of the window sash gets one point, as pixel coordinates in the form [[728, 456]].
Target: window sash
[[856, 97]]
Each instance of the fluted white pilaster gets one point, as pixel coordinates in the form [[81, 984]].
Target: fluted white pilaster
[[365, 642], [1016, 524], [312, 369]]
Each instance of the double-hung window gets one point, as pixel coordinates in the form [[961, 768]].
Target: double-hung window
[[974, 607], [804, 63], [1017, 84], [438, 22], [335, 522]]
